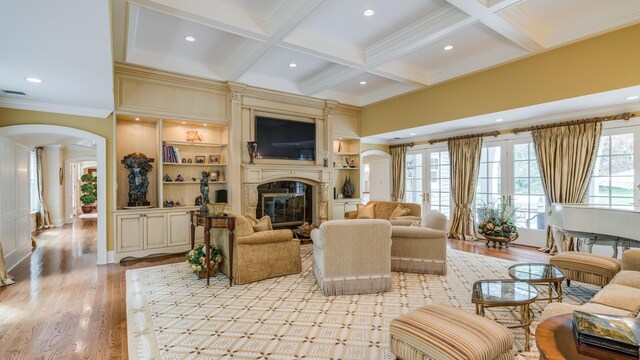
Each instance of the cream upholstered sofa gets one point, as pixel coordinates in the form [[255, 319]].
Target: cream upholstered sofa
[[352, 256], [384, 209], [259, 255], [620, 297], [421, 249]]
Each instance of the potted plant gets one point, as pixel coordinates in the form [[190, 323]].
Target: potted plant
[[196, 258], [89, 192], [497, 223]]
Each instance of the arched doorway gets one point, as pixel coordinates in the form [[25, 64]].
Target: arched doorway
[[43, 135], [375, 175]]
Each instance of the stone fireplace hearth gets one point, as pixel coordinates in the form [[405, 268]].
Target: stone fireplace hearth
[[316, 177]]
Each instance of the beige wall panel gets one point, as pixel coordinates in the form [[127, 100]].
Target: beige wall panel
[[170, 100], [136, 137], [283, 108]]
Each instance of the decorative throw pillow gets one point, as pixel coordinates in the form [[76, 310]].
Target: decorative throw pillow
[[399, 211], [262, 224], [366, 212]]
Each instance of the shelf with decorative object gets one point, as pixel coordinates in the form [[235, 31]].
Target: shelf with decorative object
[[345, 162], [192, 182], [192, 143], [191, 164]]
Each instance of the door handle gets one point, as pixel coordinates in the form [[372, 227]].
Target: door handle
[[509, 200], [426, 196]]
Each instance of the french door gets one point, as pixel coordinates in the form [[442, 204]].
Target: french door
[[508, 170]]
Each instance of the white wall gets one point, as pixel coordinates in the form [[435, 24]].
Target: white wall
[[53, 191], [15, 207], [380, 179]]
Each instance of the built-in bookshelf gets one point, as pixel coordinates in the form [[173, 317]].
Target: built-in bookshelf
[[182, 149], [346, 162]]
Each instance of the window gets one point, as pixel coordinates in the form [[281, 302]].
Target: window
[[528, 192], [413, 178], [612, 182], [489, 187], [440, 182], [33, 180]]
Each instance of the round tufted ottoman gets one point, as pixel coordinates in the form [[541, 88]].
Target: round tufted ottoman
[[444, 332]]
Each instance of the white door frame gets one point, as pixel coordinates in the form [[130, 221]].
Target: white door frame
[[101, 159], [68, 184]]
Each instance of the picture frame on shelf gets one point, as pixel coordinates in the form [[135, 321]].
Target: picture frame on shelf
[[214, 159], [199, 159]]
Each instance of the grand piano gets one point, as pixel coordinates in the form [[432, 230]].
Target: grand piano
[[596, 225]]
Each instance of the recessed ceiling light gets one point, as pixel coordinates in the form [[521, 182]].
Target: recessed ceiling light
[[369, 12], [498, 120], [184, 123], [137, 119], [412, 134], [293, 65], [33, 80], [204, 124], [190, 38], [363, 83], [636, 97], [448, 47]]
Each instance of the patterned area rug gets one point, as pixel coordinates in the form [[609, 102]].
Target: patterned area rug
[[172, 315]]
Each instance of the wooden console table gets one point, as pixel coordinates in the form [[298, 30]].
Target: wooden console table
[[556, 341], [209, 222]]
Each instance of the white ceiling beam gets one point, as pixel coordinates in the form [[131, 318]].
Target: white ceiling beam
[[329, 78], [289, 16], [490, 18]]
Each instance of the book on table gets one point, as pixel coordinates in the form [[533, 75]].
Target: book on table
[[616, 333]]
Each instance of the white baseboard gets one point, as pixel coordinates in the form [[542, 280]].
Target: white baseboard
[[58, 222], [18, 256], [111, 257]]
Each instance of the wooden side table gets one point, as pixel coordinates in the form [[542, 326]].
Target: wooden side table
[[209, 222], [556, 341]]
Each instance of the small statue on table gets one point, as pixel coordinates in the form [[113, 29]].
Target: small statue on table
[[139, 165], [204, 191]]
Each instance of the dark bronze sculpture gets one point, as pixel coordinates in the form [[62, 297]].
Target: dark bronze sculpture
[[204, 191], [139, 165]]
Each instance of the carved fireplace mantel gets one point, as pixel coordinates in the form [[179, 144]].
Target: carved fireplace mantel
[[318, 176]]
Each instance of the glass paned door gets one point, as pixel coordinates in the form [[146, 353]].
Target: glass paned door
[[439, 182], [613, 180], [489, 186], [414, 175], [528, 193]]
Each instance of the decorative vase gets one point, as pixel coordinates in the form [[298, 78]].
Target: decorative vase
[[252, 147], [212, 272], [347, 189]]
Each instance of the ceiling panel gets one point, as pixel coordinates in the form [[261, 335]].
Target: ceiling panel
[[164, 35], [474, 47], [276, 64], [343, 21], [570, 20]]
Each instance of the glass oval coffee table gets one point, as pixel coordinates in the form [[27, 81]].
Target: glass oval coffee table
[[507, 293], [544, 274]]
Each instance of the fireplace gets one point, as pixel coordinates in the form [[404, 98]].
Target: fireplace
[[282, 183], [287, 203]]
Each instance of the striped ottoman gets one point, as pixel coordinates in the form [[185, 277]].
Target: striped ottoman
[[444, 332], [585, 267]]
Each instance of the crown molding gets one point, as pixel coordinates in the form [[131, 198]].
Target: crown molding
[[54, 108], [329, 78]]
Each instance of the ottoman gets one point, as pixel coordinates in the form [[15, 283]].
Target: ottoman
[[585, 267], [444, 332]]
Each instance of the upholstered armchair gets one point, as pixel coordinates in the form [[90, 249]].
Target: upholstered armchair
[[421, 249], [385, 209], [259, 255], [352, 256]]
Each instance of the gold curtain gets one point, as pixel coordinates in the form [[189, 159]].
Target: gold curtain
[[464, 156], [566, 155], [5, 278], [43, 219], [398, 165]]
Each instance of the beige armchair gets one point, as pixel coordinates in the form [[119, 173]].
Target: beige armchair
[[259, 255], [352, 256], [422, 250]]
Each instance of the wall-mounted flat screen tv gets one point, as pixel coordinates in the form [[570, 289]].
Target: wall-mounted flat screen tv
[[285, 139]]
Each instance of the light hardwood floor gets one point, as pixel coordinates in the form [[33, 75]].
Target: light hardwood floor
[[63, 306]]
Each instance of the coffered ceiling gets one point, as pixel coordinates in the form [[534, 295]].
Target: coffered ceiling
[[335, 47]]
